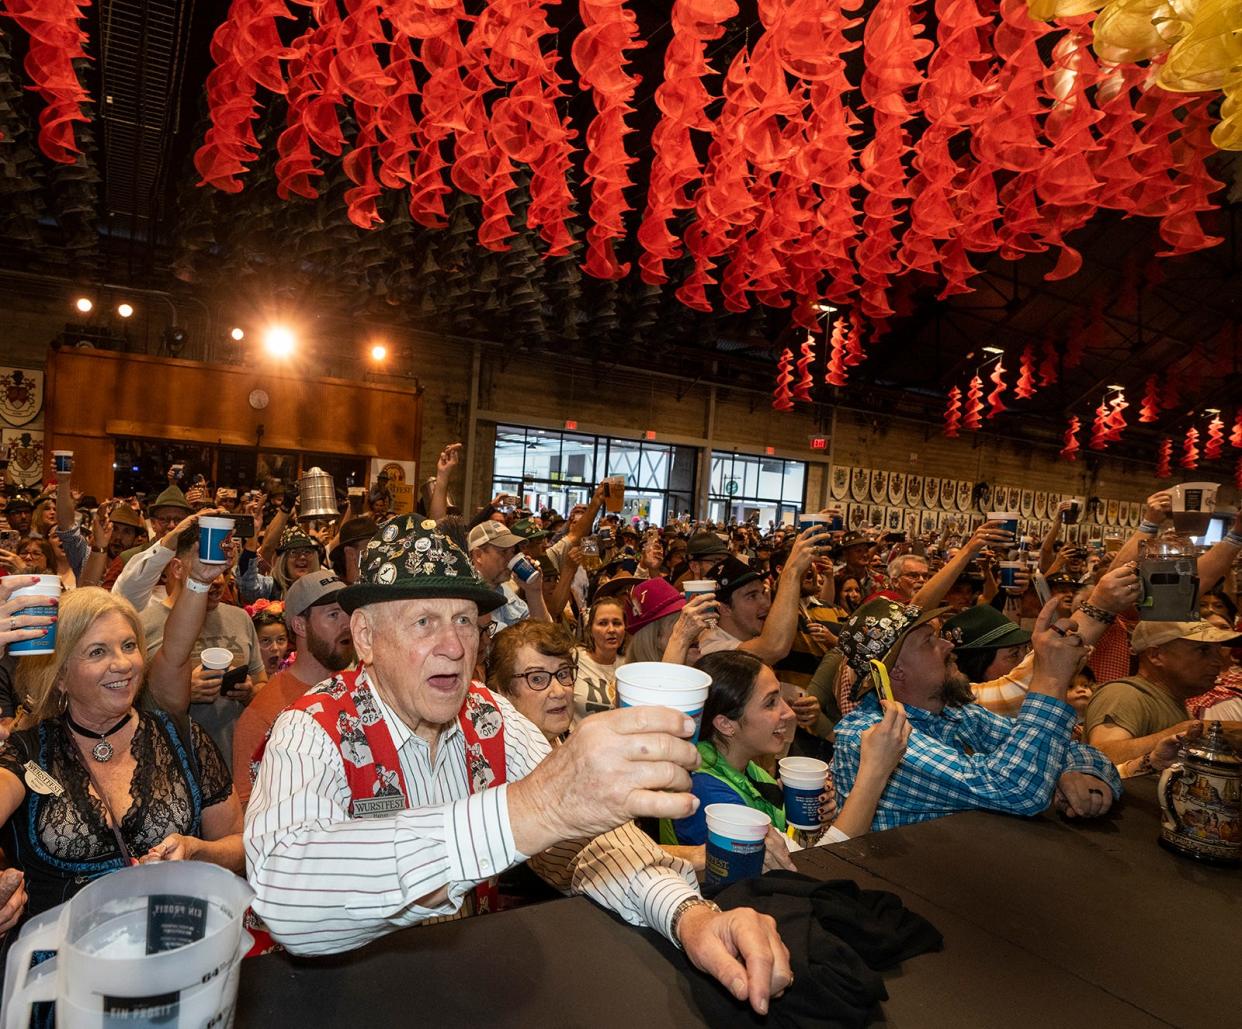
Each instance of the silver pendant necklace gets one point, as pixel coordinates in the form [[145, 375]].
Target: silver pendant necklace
[[102, 751]]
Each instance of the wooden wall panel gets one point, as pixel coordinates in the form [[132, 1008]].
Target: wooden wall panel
[[94, 396]]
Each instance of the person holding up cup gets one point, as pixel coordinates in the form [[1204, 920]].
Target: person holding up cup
[[745, 721], [25, 624]]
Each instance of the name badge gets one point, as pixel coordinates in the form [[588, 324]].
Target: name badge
[[377, 807], [39, 781]]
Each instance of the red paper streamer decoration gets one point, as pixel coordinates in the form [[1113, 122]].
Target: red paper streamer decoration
[[1048, 373], [1070, 449], [1215, 444], [1190, 450], [1114, 421], [782, 400], [683, 100], [953, 414], [599, 55], [806, 381], [1235, 437], [1099, 427], [836, 375], [1164, 460], [973, 419], [1026, 387], [995, 405], [1149, 411], [854, 353], [56, 39]]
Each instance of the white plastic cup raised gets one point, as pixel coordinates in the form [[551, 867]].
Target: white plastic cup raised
[[659, 684], [1193, 504], [212, 531], [803, 780], [1008, 520], [734, 843], [216, 659], [47, 586], [692, 588]]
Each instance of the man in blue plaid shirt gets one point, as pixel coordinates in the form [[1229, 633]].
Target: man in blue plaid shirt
[[962, 757]]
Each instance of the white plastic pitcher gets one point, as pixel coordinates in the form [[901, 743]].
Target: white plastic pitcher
[[101, 936]]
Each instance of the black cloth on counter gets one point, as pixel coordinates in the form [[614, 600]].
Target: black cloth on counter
[[839, 937]]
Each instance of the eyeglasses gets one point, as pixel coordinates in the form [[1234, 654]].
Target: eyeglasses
[[541, 680], [923, 576]]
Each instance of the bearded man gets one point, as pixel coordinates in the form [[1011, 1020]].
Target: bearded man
[[322, 646], [961, 756]]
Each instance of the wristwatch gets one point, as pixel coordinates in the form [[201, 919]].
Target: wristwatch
[[682, 908]]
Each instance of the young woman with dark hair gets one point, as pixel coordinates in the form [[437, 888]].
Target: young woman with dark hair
[[745, 719]]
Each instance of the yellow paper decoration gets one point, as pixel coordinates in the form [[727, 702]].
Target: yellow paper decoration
[[1203, 40]]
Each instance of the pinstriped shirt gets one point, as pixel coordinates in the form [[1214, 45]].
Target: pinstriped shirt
[[967, 757], [325, 882]]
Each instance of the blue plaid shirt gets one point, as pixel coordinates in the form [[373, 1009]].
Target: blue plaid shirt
[[968, 757]]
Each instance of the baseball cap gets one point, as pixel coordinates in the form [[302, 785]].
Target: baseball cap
[[311, 589], [650, 600], [496, 533], [1152, 634]]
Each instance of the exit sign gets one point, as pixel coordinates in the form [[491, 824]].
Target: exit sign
[[570, 424], [649, 434], [819, 442], [769, 451]]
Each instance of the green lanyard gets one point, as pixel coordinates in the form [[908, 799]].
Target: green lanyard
[[742, 784]]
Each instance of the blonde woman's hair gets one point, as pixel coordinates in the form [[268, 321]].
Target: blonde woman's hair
[[645, 644], [38, 676], [280, 570]]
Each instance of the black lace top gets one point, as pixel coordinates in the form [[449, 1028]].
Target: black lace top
[[61, 843]]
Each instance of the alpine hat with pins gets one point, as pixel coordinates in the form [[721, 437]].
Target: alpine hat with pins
[[411, 559]]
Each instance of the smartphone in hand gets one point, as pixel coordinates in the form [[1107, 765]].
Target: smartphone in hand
[[233, 678]]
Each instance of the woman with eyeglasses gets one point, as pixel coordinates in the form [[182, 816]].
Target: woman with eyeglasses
[[533, 665]]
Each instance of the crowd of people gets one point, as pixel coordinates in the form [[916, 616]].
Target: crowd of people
[[432, 697]]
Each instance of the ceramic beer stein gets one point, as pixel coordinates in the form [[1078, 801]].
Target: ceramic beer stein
[[1201, 801]]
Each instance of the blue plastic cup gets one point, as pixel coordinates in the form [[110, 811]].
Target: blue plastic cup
[[734, 843], [62, 460], [47, 586], [803, 779], [1009, 573], [523, 567], [212, 532], [1008, 520]]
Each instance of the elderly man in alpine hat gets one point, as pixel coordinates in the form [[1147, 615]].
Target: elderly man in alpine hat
[[395, 794]]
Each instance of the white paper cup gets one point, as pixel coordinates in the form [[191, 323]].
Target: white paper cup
[[216, 658], [212, 531], [47, 586], [660, 684], [803, 780], [734, 842], [1008, 520], [1193, 504]]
